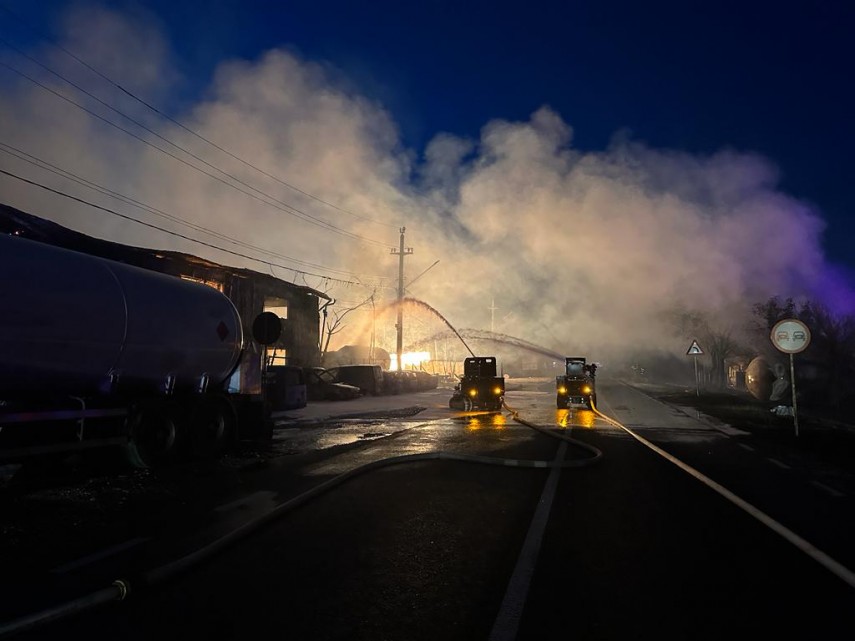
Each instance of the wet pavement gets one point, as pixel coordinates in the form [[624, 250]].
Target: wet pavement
[[424, 550], [431, 404]]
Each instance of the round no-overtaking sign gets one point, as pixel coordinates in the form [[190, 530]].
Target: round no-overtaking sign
[[790, 336]]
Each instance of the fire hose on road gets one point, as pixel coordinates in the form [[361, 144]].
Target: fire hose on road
[[121, 589]]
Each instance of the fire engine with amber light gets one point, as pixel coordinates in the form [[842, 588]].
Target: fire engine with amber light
[[480, 388], [577, 386]]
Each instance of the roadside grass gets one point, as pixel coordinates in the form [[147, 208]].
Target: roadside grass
[[822, 434], [732, 408]]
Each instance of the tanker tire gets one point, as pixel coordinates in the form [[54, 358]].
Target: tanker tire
[[154, 437], [468, 405], [212, 428]]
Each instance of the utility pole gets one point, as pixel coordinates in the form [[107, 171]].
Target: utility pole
[[493, 309], [400, 324]]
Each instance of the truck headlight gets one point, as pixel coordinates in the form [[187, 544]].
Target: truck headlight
[[562, 390], [473, 392], [586, 390], [497, 391]]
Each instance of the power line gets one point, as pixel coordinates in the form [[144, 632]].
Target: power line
[[176, 234], [47, 166], [282, 206], [184, 127], [290, 209]]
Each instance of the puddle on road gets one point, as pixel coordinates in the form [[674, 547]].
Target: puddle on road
[[483, 421], [561, 418], [570, 418], [302, 439]]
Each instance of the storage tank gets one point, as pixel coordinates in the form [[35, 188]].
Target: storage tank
[[759, 378], [77, 324]]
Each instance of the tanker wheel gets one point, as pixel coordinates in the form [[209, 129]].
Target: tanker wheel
[[212, 427], [468, 405], [154, 436]]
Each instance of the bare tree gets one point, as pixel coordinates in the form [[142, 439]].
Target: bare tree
[[772, 311], [718, 341], [766, 315], [333, 323], [833, 339], [832, 346]]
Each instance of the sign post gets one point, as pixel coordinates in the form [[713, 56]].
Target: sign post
[[791, 336], [695, 351]]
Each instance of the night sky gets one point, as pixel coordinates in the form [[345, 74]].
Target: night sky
[[756, 77], [769, 77]]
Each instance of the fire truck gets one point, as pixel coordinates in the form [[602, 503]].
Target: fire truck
[[479, 387], [577, 386]]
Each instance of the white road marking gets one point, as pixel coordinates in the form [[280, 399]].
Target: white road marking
[[830, 564], [730, 431], [780, 464], [507, 622], [829, 489]]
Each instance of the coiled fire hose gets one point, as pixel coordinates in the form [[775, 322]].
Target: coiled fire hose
[[120, 589]]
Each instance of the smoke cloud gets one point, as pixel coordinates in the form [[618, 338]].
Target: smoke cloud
[[580, 251]]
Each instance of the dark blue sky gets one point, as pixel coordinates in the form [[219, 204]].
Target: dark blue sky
[[770, 77]]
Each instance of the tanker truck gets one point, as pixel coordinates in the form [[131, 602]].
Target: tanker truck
[[99, 353]]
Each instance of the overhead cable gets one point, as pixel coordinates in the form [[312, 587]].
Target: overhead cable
[[46, 166], [277, 204], [176, 234], [188, 129]]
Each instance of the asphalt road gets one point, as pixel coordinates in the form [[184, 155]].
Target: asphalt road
[[633, 546]]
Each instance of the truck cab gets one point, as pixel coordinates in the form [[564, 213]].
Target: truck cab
[[577, 386], [479, 388]]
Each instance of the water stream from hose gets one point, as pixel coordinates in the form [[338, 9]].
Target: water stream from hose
[[415, 302]]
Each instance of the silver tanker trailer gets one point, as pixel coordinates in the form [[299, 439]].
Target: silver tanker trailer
[[95, 352]]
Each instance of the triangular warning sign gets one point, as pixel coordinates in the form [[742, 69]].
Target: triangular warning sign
[[694, 349]]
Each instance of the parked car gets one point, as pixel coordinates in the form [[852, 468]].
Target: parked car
[[368, 378], [393, 383], [426, 381], [399, 382], [322, 386], [411, 381]]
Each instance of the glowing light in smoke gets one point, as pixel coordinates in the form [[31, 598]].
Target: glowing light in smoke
[[409, 359]]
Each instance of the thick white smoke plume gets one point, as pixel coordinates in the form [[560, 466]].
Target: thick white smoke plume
[[578, 251]]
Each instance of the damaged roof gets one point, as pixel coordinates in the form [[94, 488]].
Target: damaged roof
[[14, 221]]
